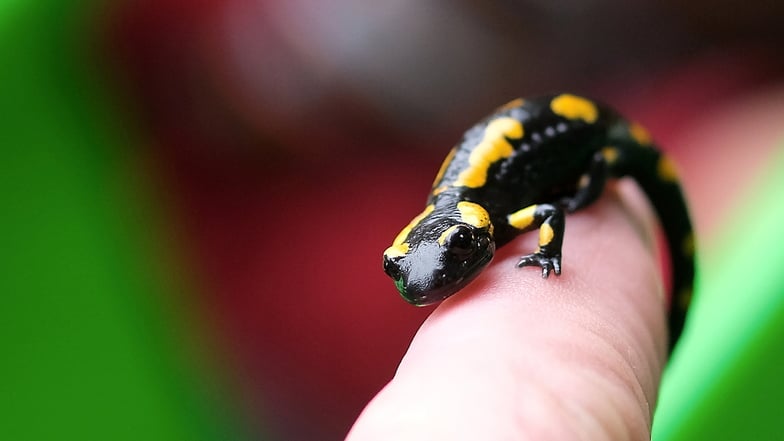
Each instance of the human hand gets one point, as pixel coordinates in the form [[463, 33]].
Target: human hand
[[514, 356]]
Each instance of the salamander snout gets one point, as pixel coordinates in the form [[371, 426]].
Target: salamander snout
[[431, 271]]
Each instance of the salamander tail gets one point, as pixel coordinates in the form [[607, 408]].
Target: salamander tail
[[658, 177]]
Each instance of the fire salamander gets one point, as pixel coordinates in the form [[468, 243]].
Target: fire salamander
[[523, 168]]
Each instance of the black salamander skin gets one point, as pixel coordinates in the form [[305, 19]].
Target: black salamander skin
[[521, 169]]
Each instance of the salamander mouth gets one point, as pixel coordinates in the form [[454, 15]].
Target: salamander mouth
[[428, 299]]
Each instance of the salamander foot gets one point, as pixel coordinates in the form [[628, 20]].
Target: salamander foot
[[540, 259]]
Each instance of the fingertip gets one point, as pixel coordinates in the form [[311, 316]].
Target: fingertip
[[515, 354]]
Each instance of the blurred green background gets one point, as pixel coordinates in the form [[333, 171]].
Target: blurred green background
[[174, 173], [94, 337]]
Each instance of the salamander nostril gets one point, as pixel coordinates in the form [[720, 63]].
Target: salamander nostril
[[391, 268]]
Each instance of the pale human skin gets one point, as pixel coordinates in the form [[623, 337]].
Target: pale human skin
[[514, 356]]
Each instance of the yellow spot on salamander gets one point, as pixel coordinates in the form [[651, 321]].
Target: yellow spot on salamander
[[511, 105], [545, 234], [445, 234], [403, 235], [439, 190], [687, 245], [473, 214], [640, 134], [494, 146], [397, 250], [522, 219], [444, 166], [667, 169], [610, 155], [574, 107]]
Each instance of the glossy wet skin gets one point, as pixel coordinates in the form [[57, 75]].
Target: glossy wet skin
[[524, 168], [442, 260]]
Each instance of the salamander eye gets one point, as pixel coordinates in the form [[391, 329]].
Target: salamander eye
[[460, 241]]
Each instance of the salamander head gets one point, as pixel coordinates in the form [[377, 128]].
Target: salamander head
[[440, 251]]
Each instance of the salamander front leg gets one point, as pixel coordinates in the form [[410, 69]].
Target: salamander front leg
[[591, 184], [550, 221]]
